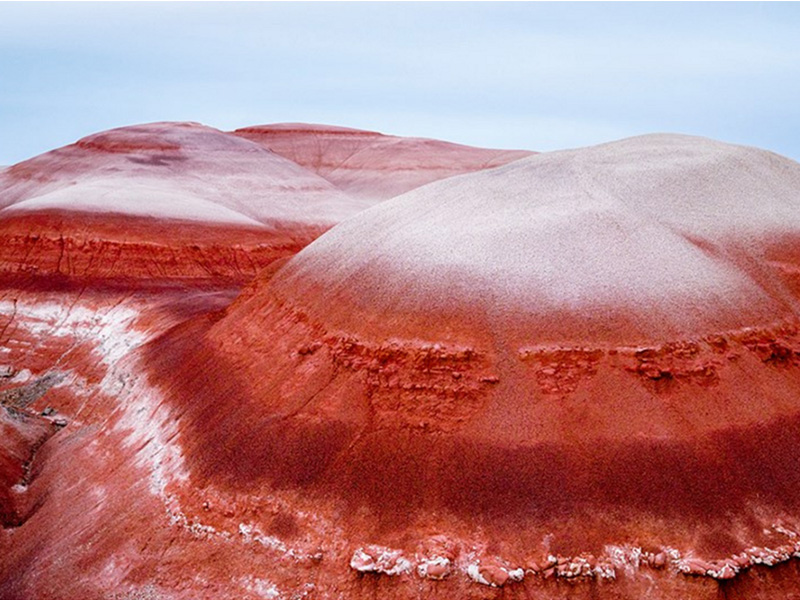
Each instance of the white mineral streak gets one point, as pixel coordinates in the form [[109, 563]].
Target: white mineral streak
[[474, 573], [111, 334], [435, 567], [263, 588], [379, 559]]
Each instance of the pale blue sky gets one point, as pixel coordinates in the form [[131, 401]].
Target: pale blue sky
[[529, 75]]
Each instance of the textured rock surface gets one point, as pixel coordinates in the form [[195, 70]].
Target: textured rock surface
[[575, 376], [371, 165], [22, 434]]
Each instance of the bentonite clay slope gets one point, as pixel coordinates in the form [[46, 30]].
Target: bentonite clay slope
[[161, 200], [581, 366], [371, 165]]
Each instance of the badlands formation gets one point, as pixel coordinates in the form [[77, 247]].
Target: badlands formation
[[238, 365]]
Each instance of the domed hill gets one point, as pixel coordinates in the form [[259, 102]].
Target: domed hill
[[371, 165], [584, 365], [162, 200]]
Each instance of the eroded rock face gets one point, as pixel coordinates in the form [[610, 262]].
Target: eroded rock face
[[371, 165], [574, 376], [21, 434]]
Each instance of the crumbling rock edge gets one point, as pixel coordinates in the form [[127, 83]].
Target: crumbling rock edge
[[616, 561]]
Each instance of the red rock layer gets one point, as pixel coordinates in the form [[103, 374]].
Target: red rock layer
[[371, 165], [117, 248]]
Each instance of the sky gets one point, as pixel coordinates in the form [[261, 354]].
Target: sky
[[540, 76]]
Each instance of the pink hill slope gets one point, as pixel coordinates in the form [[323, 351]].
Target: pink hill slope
[[572, 376], [371, 165]]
